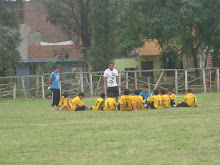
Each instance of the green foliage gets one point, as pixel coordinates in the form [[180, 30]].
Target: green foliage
[[45, 68], [170, 57], [62, 53], [103, 48]]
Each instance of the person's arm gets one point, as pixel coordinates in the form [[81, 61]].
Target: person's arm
[[121, 107], [134, 108], [106, 84], [183, 100], [117, 81], [87, 108]]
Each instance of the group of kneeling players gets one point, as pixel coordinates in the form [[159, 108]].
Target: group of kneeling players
[[139, 101]]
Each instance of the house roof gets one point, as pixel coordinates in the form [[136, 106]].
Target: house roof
[[150, 48]]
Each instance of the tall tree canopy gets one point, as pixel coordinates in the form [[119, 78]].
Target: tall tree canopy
[[194, 25], [9, 37]]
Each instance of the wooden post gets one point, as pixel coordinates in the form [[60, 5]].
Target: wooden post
[[23, 86], [158, 81], [14, 90], [186, 80], [148, 82], [91, 84], [126, 80], [217, 74], [203, 78], [210, 79], [105, 90], [119, 76], [135, 80], [43, 92], [60, 85], [81, 82], [176, 82], [37, 87]]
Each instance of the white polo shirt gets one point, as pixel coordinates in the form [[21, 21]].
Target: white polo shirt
[[111, 77]]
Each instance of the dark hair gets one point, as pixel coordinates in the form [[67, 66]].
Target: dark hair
[[66, 94], [146, 86], [111, 63], [110, 95], [163, 91], [56, 67], [81, 94], [102, 95], [189, 90], [171, 90], [137, 92], [156, 92], [126, 91]]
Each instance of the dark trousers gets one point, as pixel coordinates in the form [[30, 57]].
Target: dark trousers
[[183, 105], [152, 106], [81, 108], [172, 102], [55, 97]]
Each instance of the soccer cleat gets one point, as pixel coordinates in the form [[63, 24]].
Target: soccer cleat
[[52, 109], [174, 105]]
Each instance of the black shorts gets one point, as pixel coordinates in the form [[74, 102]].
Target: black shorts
[[81, 108], [152, 106], [113, 90], [183, 105], [55, 99]]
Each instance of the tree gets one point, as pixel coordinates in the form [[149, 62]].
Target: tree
[[103, 48], [73, 18], [193, 24], [10, 37]]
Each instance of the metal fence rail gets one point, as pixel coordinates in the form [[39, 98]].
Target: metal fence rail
[[92, 83]]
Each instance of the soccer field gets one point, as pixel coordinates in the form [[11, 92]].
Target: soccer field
[[30, 133]]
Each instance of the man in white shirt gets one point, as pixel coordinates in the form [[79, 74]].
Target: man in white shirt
[[112, 80]]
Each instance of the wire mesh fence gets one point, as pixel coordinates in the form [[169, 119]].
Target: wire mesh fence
[[92, 83]]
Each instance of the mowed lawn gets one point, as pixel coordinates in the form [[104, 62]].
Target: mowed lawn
[[30, 133]]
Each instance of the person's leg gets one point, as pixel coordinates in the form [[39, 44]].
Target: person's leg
[[183, 105], [52, 97], [115, 91], [81, 108], [172, 102], [56, 97], [152, 105], [118, 107]]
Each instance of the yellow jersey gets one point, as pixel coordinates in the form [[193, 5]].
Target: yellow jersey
[[173, 97], [61, 101], [76, 102], [157, 101], [67, 104], [165, 101], [98, 105], [126, 101], [190, 100], [110, 104], [138, 102]]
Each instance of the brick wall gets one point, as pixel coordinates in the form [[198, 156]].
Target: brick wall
[[46, 52]]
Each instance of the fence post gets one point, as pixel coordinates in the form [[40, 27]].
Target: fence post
[[148, 82], [135, 80], [210, 79], [119, 84], [203, 78], [126, 80], [23, 86], [60, 85], [43, 92], [105, 90], [81, 82], [217, 74], [176, 82], [37, 86], [91, 86], [14, 90], [158, 81], [186, 80]]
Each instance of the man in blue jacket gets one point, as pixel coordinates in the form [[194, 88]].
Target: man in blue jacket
[[146, 94]]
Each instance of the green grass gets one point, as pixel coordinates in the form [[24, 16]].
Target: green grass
[[30, 133]]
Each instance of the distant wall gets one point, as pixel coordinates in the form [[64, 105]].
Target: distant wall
[[122, 64]]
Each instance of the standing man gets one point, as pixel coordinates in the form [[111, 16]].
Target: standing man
[[112, 80], [55, 89]]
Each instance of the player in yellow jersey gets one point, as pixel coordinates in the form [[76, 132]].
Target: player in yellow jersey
[[138, 100], [173, 100], [61, 102], [66, 102], [99, 103], [165, 99], [189, 100], [77, 104], [126, 102], [155, 102], [110, 103]]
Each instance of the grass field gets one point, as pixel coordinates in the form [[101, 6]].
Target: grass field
[[30, 133]]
